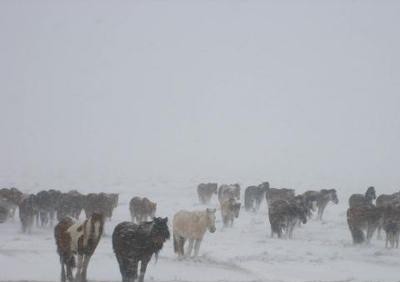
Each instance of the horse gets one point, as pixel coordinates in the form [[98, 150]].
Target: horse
[[114, 198], [391, 224], [70, 204], [229, 211], [357, 200], [11, 197], [191, 226], [253, 196], [362, 219], [302, 202], [27, 212], [387, 201], [283, 217], [323, 197], [228, 191], [44, 206], [4, 211], [384, 200], [55, 196], [205, 191], [102, 203], [275, 194], [79, 239], [392, 230], [141, 209], [133, 243]]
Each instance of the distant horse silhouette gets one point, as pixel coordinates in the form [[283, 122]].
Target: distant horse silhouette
[[141, 209]]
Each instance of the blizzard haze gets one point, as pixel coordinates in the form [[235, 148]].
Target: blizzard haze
[[300, 93]]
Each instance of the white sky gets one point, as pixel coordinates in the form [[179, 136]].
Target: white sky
[[295, 92]]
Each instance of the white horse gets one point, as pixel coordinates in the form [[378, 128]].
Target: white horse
[[191, 226]]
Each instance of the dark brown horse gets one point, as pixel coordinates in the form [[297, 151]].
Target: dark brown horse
[[133, 243]]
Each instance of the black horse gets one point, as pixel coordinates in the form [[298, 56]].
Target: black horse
[[133, 243]]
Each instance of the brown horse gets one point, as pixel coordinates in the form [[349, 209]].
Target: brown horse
[[77, 239], [141, 209]]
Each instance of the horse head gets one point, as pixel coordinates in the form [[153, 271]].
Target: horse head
[[302, 214], [97, 218], [236, 209], [370, 194], [333, 196], [264, 186], [236, 189], [160, 231]]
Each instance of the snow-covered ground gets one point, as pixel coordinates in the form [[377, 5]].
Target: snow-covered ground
[[321, 251]]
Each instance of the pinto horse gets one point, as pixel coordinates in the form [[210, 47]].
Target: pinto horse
[[77, 239]]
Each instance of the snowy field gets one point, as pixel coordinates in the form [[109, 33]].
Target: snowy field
[[321, 251]]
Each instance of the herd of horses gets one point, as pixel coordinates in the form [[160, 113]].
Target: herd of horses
[[134, 242], [364, 217]]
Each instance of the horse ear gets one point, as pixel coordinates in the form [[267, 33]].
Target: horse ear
[[165, 219]]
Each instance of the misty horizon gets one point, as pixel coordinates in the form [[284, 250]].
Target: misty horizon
[[301, 94]]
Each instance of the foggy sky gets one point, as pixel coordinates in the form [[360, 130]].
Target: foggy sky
[[294, 92]]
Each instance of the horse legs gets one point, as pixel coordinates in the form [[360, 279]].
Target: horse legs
[[27, 226], [258, 203], [197, 247], [63, 277], [224, 221], [181, 246], [127, 268], [379, 235], [370, 232], [319, 212], [37, 219], [86, 259], [143, 267], [11, 213], [190, 248], [321, 209], [78, 277], [69, 263], [52, 212]]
